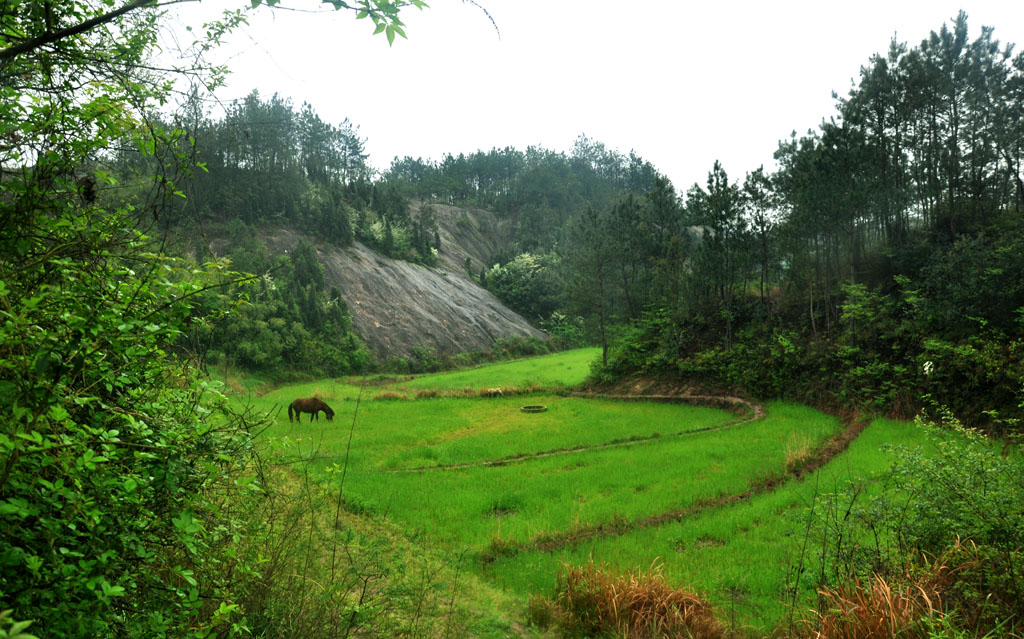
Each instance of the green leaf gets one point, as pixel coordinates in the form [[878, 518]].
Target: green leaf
[[17, 630], [33, 436], [111, 591], [7, 508], [186, 523]]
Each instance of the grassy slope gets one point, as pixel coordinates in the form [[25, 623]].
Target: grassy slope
[[742, 555]]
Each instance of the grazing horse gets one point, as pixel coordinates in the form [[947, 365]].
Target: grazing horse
[[311, 405]]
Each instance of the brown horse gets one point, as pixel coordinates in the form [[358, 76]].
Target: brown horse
[[311, 405]]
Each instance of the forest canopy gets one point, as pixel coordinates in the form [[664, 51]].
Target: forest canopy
[[882, 240], [887, 239]]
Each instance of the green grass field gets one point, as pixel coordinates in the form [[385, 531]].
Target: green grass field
[[744, 555], [421, 453]]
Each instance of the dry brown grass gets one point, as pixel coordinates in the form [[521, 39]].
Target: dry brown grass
[[592, 601], [877, 610], [799, 449], [389, 395], [948, 591]]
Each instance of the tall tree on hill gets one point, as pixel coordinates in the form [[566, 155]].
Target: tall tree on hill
[[668, 243], [882, 106], [589, 274], [759, 200], [306, 267], [720, 256], [626, 231]]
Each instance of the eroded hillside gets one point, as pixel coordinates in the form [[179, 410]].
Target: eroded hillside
[[397, 306]]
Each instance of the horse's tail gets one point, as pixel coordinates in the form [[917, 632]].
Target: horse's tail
[[290, 412]]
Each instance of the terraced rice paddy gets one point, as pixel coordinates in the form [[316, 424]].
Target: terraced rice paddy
[[718, 495]]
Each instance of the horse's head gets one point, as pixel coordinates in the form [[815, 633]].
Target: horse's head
[[329, 413]]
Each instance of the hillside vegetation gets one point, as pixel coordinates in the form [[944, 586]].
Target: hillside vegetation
[[878, 264], [877, 271]]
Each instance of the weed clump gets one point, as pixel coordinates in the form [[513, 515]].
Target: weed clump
[[799, 449], [877, 610], [591, 601], [389, 396]]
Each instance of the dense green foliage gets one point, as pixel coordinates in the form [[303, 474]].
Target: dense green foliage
[[265, 164], [116, 459], [540, 189], [130, 504], [879, 263], [953, 500], [290, 321]]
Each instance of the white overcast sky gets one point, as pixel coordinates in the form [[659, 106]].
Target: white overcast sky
[[680, 83]]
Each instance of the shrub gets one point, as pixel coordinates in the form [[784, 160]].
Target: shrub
[[517, 346], [877, 610], [590, 601], [954, 512], [119, 460], [564, 332]]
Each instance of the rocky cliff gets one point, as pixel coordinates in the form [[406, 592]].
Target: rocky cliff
[[397, 305]]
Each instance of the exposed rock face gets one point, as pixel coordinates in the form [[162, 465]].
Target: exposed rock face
[[473, 233], [397, 306]]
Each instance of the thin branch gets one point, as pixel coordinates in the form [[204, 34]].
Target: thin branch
[[486, 13], [49, 37]]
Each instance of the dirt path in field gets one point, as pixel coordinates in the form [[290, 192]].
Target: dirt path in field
[[832, 447], [748, 412]]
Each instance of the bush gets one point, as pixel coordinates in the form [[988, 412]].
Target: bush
[[952, 515], [119, 460], [528, 284], [590, 601], [517, 346], [564, 332]]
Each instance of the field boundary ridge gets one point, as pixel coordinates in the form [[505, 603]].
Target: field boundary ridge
[[750, 412]]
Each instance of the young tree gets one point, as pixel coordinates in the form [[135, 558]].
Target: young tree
[[589, 273], [759, 201], [720, 257]]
